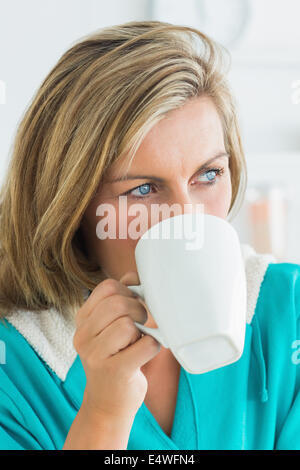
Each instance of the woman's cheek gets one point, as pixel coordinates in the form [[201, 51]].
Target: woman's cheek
[[217, 202]]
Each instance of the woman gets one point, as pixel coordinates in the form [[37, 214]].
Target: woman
[[135, 110]]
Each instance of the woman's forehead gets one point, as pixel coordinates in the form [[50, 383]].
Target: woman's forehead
[[193, 133]]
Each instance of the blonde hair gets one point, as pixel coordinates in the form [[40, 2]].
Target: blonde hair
[[97, 104]]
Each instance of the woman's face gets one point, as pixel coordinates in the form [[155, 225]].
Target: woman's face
[[181, 160]]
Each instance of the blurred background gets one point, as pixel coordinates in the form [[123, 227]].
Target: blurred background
[[263, 37]]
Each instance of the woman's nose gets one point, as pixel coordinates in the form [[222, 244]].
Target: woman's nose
[[186, 202]]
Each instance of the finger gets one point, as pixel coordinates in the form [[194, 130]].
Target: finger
[[111, 309], [104, 289], [114, 308], [138, 354], [117, 336], [131, 278]]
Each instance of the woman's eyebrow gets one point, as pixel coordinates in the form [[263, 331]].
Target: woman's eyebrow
[[162, 180]]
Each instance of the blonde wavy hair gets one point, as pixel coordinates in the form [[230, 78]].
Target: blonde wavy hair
[[96, 105]]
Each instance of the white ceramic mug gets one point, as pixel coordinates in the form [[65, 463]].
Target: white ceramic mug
[[197, 296]]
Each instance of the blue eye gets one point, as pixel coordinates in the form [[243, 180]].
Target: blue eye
[[140, 192], [143, 190], [210, 176]]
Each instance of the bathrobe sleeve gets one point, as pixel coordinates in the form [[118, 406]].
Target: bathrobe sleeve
[[26, 386], [14, 428]]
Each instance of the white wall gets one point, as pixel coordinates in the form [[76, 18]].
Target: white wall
[[33, 36], [265, 77]]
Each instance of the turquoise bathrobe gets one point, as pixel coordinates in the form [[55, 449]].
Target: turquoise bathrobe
[[253, 403]]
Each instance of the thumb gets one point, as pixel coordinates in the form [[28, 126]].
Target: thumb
[[131, 278]]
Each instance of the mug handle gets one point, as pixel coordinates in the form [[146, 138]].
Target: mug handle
[[155, 332]]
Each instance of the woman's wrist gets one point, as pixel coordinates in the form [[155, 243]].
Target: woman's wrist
[[95, 430], [112, 417]]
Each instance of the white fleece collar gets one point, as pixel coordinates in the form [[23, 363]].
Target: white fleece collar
[[51, 335]]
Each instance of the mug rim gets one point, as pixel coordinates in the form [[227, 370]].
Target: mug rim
[[211, 216]]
